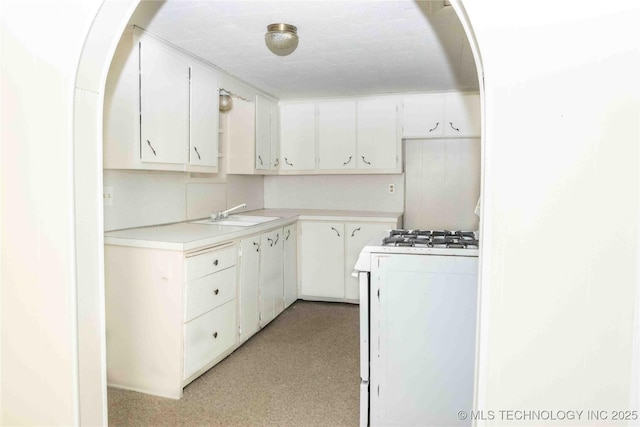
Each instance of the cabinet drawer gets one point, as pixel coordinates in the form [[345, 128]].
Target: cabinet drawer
[[208, 336], [208, 292], [210, 262]]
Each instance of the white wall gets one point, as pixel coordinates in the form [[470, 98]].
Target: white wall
[[560, 268], [355, 192], [39, 367], [142, 198]]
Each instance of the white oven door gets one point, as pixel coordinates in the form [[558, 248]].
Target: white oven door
[[422, 335]]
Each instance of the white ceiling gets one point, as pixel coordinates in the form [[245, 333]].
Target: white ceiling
[[345, 48]]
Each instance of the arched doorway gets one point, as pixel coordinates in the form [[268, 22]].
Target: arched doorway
[[93, 67]]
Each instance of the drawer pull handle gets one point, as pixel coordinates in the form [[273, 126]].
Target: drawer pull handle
[[215, 335], [354, 232], [435, 127], [215, 292], [336, 231], [216, 262], [257, 245], [365, 160]]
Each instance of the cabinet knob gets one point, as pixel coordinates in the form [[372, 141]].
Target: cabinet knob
[[216, 262], [215, 335], [215, 292]]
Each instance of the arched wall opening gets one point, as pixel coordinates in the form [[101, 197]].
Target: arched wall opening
[[93, 67]]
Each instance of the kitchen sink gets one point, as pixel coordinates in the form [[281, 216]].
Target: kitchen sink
[[239, 220]]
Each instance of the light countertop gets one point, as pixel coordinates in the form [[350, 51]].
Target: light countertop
[[187, 236]]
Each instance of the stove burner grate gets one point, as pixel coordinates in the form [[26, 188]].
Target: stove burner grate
[[432, 239]]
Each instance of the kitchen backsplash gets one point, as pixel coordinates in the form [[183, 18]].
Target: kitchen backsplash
[[348, 192], [142, 198]]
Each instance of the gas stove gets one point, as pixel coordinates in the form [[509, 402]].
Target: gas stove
[[421, 242], [432, 239]]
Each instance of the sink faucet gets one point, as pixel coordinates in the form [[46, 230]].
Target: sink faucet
[[224, 214]]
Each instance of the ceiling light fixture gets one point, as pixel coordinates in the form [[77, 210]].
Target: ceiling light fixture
[[281, 39], [225, 101]]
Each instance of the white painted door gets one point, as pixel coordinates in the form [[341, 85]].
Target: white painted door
[[357, 236], [249, 281], [423, 115], [462, 114], [271, 276], [297, 136], [423, 339], [164, 104], [322, 259], [263, 133], [204, 117], [378, 136], [290, 269], [337, 134]]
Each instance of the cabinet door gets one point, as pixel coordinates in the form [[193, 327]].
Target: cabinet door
[[297, 136], [164, 104], [204, 117], [322, 259], [377, 133], [358, 235], [263, 133], [290, 270], [337, 134], [249, 280], [462, 114], [271, 277], [423, 116], [241, 131], [275, 136]]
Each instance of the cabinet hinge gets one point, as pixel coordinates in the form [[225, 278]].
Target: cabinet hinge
[[239, 330], [260, 317], [378, 293]]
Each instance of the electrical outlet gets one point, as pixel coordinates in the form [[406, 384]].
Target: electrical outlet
[[392, 188], [107, 196]]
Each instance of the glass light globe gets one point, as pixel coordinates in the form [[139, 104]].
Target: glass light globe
[[225, 101], [281, 39]]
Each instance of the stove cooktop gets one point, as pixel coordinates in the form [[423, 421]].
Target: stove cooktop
[[432, 239]]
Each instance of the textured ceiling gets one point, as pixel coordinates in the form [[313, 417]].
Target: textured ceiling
[[346, 47]]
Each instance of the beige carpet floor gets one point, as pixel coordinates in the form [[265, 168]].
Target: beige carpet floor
[[301, 370]]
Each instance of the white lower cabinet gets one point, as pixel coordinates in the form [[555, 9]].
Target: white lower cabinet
[[170, 315], [321, 259], [271, 276], [328, 253], [290, 267], [265, 274], [249, 289]]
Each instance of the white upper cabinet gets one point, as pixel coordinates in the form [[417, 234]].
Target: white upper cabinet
[[423, 115], [462, 114], [378, 138], [297, 136], [267, 136], [164, 103], [203, 117], [441, 115], [160, 109], [337, 134]]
